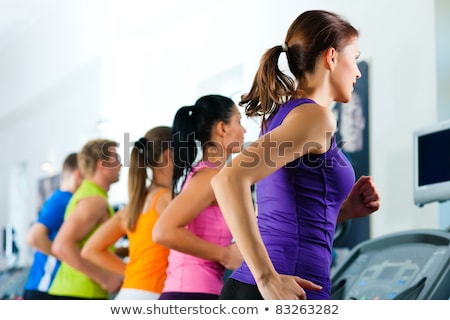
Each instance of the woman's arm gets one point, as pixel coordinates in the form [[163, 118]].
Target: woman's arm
[[305, 130], [170, 229], [363, 200], [97, 248]]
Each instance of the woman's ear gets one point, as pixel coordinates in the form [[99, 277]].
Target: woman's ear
[[330, 57], [221, 128]]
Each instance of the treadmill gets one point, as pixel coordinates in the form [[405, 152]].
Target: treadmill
[[411, 265]]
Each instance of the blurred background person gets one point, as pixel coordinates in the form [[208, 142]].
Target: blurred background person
[[43, 231], [145, 271], [78, 278]]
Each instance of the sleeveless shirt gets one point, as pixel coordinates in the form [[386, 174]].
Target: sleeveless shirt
[[146, 269], [298, 206], [187, 273], [69, 281]]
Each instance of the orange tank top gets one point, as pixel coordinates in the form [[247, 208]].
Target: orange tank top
[[147, 264]]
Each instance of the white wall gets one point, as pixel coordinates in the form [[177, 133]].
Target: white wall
[[50, 84], [234, 33], [134, 63], [442, 11]]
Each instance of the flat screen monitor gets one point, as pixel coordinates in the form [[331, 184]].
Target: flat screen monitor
[[431, 149]]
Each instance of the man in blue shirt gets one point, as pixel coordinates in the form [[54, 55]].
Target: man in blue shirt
[[43, 231]]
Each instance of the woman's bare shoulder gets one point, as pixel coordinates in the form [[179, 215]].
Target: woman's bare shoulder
[[311, 115]]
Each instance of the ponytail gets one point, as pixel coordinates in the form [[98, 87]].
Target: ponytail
[[184, 145], [271, 87]]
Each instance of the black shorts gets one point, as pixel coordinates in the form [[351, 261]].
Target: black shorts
[[236, 290], [37, 295], [187, 296]]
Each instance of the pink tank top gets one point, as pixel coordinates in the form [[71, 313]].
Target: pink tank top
[[187, 273]]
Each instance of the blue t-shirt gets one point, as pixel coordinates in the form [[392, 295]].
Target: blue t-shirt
[[44, 267]]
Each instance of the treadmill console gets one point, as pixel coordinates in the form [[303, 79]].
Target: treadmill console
[[407, 265]]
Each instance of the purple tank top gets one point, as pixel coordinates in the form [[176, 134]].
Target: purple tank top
[[298, 206]]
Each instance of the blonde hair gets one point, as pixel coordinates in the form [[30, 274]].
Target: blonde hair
[[94, 150]]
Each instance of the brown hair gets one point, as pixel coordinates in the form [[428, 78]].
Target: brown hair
[[311, 34], [70, 164], [146, 153], [94, 150]]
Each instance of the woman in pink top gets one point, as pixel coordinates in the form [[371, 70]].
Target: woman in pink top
[[192, 225]]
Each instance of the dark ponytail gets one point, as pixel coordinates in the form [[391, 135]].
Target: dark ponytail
[[192, 130], [183, 144]]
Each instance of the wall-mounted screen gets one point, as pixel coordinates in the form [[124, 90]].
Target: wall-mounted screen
[[432, 163]]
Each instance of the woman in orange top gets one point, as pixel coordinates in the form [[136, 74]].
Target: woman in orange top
[[145, 271]]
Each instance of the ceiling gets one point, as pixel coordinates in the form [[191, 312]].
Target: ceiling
[[17, 15]]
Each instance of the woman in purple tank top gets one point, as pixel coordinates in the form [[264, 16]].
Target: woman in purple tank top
[[304, 183]]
